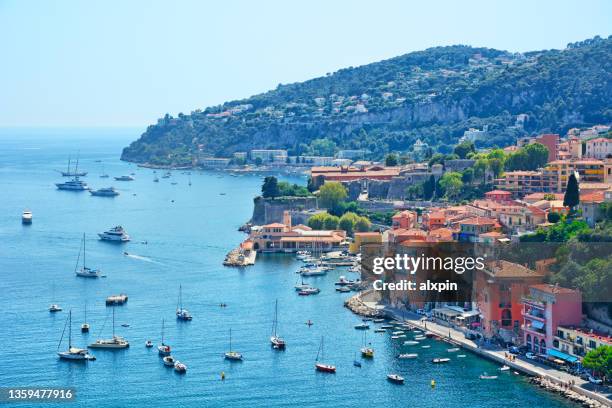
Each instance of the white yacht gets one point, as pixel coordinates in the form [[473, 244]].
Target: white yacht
[[114, 234], [73, 353], [116, 342], [104, 192], [84, 271], [181, 312], [73, 185], [26, 217], [124, 178], [277, 341]]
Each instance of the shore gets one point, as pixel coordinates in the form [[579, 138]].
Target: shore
[[553, 380]]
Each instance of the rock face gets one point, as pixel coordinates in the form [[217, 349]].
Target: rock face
[[267, 211]]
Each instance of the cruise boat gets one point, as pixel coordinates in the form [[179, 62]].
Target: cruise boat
[[26, 217], [73, 185], [276, 341], [232, 355], [104, 192], [181, 312], [116, 342], [84, 271], [322, 367], [124, 178], [163, 349], [73, 353], [116, 234]]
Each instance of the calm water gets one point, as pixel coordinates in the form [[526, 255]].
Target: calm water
[[186, 242]]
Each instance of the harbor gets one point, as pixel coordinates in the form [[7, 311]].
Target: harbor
[[177, 239]]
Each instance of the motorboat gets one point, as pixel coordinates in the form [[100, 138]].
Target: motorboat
[[84, 271], [411, 343], [343, 281], [367, 352], [380, 330], [485, 376], [73, 353], [232, 355], [148, 344], [85, 325], [386, 326], [323, 367], [504, 368], [397, 333], [169, 361], [73, 185], [55, 308], [26, 217], [453, 350], [315, 271], [309, 291], [440, 360], [125, 178], [362, 326], [115, 234], [343, 289], [407, 356], [104, 192], [395, 378], [379, 321], [180, 368], [426, 346]]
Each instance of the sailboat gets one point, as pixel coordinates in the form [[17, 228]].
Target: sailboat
[[73, 353], [182, 313], [85, 272], [232, 355], [116, 342], [163, 349], [85, 325], [75, 173], [366, 352], [275, 339], [103, 175], [319, 366]]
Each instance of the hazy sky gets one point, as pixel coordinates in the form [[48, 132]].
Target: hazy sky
[[114, 63]]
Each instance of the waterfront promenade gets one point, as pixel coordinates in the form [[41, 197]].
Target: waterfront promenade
[[457, 337]]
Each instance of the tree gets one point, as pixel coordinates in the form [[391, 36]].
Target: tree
[[258, 161], [323, 147], [314, 183], [549, 197], [452, 184], [363, 224], [269, 189], [572, 193], [348, 222], [467, 176], [463, 148], [391, 160], [323, 220], [429, 188], [553, 217], [331, 195], [599, 360]]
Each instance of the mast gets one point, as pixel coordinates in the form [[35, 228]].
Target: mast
[[162, 333], [113, 322], [275, 322], [69, 329], [230, 340], [83, 250], [68, 172]]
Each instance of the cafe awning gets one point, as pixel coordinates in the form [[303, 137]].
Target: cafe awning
[[561, 355]]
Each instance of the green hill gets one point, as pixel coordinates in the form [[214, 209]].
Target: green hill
[[434, 95]]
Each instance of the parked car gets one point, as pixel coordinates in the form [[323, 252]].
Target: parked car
[[594, 380], [530, 355], [420, 311], [514, 350]]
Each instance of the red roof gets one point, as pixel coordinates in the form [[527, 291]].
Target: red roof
[[499, 192], [543, 287]]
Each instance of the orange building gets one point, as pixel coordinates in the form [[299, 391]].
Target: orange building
[[404, 219], [347, 173], [433, 220]]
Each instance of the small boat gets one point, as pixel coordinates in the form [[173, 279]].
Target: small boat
[[124, 178], [343, 289], [309, 291], [26, 217], [104, 192], [420, 337], [395, 378], [342, 281], [453, 350], [397, 333], [411, 343], [395, 337], [386, 326], [148, 344], [169, 361], [440, 360], [407, 356], [116, 342], [55, 308], [504, 368], [277, 342], [163, 349], [85, 272], [167, 175], [116, 299], [366, 351], [85, 325], [460, 355], [485, 376], [174, 183], [312, 272], [116, 234], [302, 286], [180, 368], [322, 367], [362, 326], [379, 321], [73, 353], [426, 346], [380, 330], [232, 355], [182, 313]]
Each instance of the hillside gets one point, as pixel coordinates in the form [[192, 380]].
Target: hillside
[[434, 95]]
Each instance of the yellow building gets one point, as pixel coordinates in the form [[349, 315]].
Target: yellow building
[[589, 170], [364, 238]]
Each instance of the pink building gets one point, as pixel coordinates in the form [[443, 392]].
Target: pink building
[[405, 219], [551, 141], [498, 196], [546, 308]]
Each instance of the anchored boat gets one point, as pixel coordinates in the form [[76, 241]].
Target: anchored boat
[[181, 312], [85, 272], [73, 353], [232, 355], [277, 341], [322, 367], [116, 342]]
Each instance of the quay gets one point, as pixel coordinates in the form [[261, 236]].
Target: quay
[[243, 255]]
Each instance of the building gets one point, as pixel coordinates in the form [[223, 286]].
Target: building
[[544, 309], [599, 148], [352, 154], [364, 238], [240, 155], [524, 182], [269, 156], [354, 173], [498, 196], [578, 341], [590, 205], [472, 134], [434, 220], [499, 290], [404, 219], [551, 141], [318, 160], [471, 228], [283, 237], [213, 162], [589, 170]]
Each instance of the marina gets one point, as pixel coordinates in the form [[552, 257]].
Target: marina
[[190, 250]]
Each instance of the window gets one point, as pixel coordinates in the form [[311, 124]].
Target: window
[[506, 317], [592, 344]]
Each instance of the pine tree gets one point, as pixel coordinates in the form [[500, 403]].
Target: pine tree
[[572, 193]]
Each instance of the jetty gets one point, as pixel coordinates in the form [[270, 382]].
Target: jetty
[[243, 255]]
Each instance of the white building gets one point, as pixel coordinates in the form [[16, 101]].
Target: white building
[[269, 156], [599, 148]]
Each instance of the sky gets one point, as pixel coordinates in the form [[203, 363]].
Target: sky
[[126, 63]]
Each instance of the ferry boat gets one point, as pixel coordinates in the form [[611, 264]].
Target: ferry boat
[[395, 378], [276, 341], [232, 355], [116, 234], [163, 349], [73, 353], [86, 272], [73, 185], [116, 342], [26, 217], [124, 178], [104, 192], [181, 312], [322, 367]]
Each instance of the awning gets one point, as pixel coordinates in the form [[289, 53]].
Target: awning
[[561, 355], [536, 324]]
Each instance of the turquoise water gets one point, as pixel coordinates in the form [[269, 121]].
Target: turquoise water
[[186, 242]]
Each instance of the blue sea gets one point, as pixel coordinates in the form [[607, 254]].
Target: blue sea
[[180, 235]]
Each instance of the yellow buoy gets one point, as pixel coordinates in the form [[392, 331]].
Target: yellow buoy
[[433, 383]]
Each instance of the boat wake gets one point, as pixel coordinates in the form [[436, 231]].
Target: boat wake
[[142, 258]]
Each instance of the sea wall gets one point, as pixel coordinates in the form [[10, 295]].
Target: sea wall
[[267, 210]]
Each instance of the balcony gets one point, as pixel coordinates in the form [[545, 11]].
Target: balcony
[[532, 315]]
